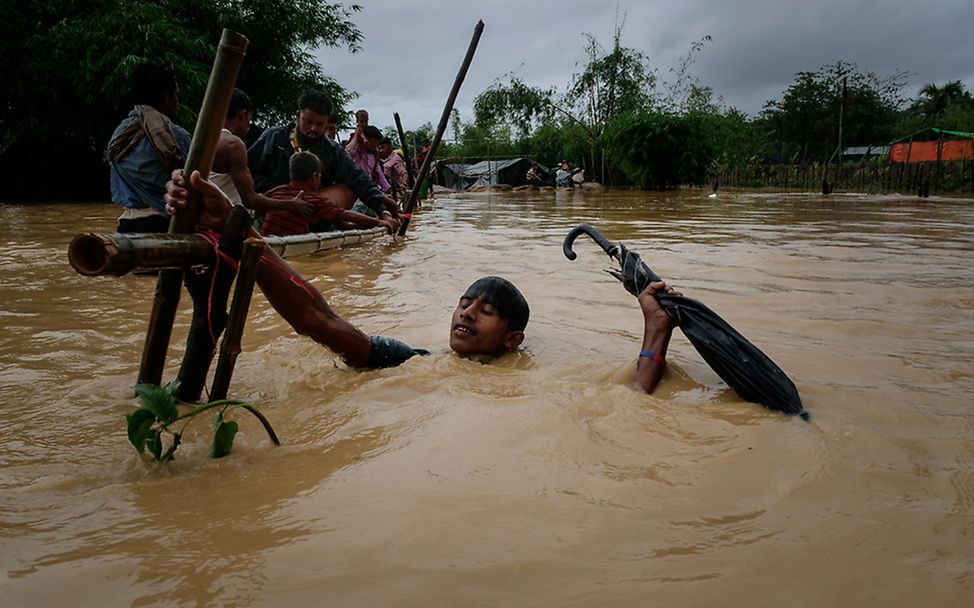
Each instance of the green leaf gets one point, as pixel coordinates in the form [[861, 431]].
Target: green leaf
[[153, 442], [223, 438], [173, 387], [139, 423], [158, 401]]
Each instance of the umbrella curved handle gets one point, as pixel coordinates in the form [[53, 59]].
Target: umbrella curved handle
[[603, 242]]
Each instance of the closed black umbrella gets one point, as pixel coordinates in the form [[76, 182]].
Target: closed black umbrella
[[739, 363]]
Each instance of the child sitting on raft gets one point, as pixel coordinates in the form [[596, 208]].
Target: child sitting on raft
[[305, 171]]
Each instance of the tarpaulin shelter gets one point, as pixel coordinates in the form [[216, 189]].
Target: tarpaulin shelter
[[447, 174], [864, 152], [932, 145], [511, 172]]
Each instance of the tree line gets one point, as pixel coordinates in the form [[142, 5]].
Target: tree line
[[65, 68], [629, 127]]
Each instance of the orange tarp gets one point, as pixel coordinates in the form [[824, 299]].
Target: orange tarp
[[923, 151]]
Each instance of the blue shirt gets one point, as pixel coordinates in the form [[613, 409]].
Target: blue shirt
[[139, 179]]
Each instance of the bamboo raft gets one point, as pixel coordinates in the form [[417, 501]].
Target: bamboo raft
[[317, 242]]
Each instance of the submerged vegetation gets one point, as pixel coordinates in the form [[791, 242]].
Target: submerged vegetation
[[149, 426]]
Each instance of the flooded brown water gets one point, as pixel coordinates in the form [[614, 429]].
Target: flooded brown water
[[543, 479]]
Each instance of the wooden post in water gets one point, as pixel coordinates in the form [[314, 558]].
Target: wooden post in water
[[405, 152], [206, 136], [230, 346], [444, 119]]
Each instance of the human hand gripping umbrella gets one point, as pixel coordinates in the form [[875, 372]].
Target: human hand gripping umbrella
[[739, 363]]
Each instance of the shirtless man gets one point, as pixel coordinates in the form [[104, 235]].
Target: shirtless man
[[230, 172], [489, 318]]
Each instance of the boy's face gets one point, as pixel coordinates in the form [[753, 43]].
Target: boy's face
[[478, 329]]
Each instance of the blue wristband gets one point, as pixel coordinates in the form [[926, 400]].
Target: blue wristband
[[651, 355]]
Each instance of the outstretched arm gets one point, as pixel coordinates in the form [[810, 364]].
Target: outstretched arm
[[236, 155], [295, 299], [360, 220], [657, 329]]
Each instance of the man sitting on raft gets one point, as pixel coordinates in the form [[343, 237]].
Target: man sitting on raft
[[489, 319]]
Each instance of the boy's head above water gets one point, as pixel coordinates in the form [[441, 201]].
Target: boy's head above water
[[489, 319]]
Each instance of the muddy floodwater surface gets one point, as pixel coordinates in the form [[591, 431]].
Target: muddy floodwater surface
[[544, 478]]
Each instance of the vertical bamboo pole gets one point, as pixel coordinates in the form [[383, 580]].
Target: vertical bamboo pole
[[213, 112], [210, 291], [444, 119], [405, 152], [230, 346]]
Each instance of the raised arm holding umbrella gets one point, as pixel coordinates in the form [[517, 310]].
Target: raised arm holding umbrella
[[739, 363]]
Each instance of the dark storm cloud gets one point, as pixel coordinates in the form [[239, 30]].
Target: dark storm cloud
[[412, 50]]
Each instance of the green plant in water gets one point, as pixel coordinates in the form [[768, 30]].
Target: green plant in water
[[148, 425]]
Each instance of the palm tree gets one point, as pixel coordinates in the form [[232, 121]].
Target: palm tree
[[934, 100]]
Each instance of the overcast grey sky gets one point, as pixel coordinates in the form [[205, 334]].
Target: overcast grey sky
[[412, 49]]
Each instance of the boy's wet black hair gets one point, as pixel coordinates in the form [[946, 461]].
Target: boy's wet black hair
[[239, 101], [303, 165], [505, 297]]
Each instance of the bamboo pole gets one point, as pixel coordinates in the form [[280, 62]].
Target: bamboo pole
[[210, 290], [230, 347], [444, 119], [206, 136], [405, 152], [317, 242], [113, 253]]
